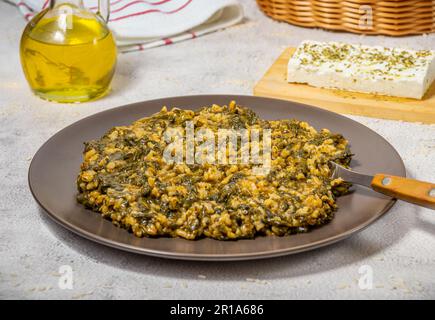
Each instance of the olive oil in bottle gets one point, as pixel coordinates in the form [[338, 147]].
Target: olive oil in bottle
[[68, 54]]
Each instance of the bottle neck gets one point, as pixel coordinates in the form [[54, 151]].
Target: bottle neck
[[103, 10], [75, 3]]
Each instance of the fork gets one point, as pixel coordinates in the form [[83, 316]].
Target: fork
[[410, 190]]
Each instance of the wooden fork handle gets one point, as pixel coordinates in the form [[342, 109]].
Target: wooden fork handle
[[410, 190]]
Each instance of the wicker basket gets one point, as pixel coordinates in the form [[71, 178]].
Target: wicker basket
[[388, 17]]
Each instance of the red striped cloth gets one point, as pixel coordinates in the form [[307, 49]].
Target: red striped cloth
[[142, 24]]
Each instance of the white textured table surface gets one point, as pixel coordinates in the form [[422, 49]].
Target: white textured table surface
[[400, 248]]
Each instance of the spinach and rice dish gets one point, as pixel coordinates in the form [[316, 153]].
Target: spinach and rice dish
[[125, 178]]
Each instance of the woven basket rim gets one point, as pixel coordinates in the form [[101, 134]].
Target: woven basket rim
[[388, 17]]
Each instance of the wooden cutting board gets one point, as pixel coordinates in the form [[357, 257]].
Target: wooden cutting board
[[274, 84]]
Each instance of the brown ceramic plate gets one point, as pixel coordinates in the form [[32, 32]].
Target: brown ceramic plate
[[54, 168]]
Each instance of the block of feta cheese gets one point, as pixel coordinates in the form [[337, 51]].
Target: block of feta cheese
[[370, 69]]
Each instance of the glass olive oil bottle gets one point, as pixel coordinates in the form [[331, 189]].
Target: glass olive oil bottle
[[68, 54]]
